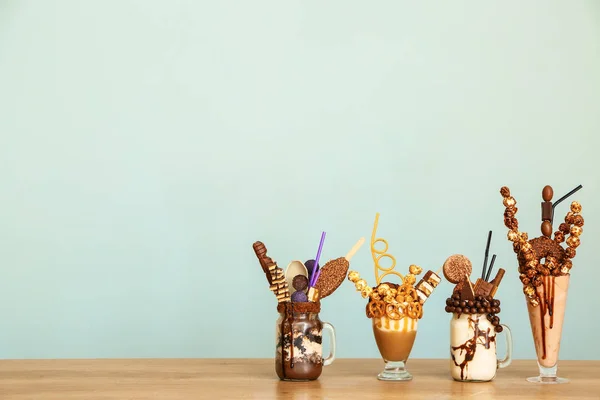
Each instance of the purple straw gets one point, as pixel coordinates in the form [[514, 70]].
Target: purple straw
[[317, 270]]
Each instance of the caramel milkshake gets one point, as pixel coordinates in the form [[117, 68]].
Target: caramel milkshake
[[394, 308], [395, 338], [547, 318]]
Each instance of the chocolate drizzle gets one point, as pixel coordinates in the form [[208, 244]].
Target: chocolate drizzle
[[289, 318], [546, 306], [470, 346]]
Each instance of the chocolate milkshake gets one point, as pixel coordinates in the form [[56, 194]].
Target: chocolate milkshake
[[299, 337], [547, 318], [545, 270]]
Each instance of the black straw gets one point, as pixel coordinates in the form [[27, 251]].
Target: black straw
[[557, 202], [487, 252], [489, 271]]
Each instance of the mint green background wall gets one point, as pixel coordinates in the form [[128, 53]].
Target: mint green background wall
[[145, 145]]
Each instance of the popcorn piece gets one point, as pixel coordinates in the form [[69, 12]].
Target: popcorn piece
[[573, 241], [353, 276], [576, 230], [409, 279], [529, 291], [360, 284], [415, 269], [509, 201], [576, 207], [366, 292], [383, 289]]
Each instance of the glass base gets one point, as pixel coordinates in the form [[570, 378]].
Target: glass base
[[547, 379], [394, 371], [547, 376]]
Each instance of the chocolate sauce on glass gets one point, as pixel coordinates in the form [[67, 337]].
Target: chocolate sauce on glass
[[300, 340], [470, 346], [546, 306]]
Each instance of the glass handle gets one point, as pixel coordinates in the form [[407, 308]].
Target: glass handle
[[328, 327], [509, 347]]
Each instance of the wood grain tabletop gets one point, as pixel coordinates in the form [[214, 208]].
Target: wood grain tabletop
[[255, 379]]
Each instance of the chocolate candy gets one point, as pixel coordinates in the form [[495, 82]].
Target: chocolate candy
[[547, 193], [546, 228], [456, 268], [331, 276], [299, 297], [300, 282], [310, 266]]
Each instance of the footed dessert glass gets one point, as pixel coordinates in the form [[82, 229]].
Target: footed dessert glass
[[546, 321], [299, 350], [395, 339]]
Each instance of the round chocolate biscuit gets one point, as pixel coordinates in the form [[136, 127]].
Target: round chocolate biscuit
[[456, 268]]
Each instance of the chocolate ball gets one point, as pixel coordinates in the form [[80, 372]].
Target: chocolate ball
[[299, 297], [488, 310], [471, 303], [498, 328], [456, 303], [447, 309], [467, 310], [463, 304], [310, 266], [452, 308], [449, 302], [481, 310], [458, 310], [456, 296], [300, 282]]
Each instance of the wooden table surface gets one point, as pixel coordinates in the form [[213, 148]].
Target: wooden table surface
[[256, 379]]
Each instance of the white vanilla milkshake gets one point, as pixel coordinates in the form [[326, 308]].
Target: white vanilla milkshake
[[472, 348]]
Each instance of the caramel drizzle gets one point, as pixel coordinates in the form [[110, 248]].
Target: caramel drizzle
[[470, 346]]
